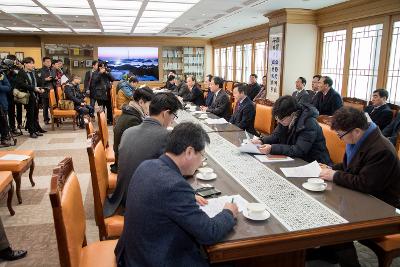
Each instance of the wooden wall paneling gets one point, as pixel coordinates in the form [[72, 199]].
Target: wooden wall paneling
[[347, 55], [160, 64], [241, 36], [253, 57], [385, 52], [234, 63]]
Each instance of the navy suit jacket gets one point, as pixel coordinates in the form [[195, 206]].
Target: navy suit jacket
[[392, 129], [329, 104], [243, 117], [382, 116], [221, 106], [164, 225]]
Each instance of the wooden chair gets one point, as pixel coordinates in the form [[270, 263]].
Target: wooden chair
[[103, 130], [7, 188], [70, 223], [326, 119], [229, 86], [115, 110], [398, 144], [60, 92], [357, 103], [264, 122], [18, 168], [89, 128], [336, 147], [103, 182], [57, 113], [386, 248]]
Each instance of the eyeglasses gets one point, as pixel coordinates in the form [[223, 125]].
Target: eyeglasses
[[175, 116], [342, 135], [203, 155]]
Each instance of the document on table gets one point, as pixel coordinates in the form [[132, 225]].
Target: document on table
[[14, 157], [216, 121], [272, 158], [310, 170], [249, 148], [216, 205]]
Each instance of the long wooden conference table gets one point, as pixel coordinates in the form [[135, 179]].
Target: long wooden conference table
[[300, 219]]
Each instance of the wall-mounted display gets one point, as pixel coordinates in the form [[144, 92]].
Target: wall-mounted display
[[140, 61]]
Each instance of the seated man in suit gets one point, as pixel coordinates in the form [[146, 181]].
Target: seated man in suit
[[6, 252], [392, 130], [142, 142], [263, 91], [327, 100], [164, 225], [181, 89], [196, 95], [314, 86], [301, 93], [298, 134], [244, 113], [253, 87], [370, 164], [220, 105], [210, 95], [379, 111]]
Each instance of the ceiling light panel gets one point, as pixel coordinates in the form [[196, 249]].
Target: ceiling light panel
[[117, 12], [116, 23], [152, 25], [120, 31], [178, 1], [157, 14], [87, 30], [23, 9], [116, 27], [71, 11], [69, 3], [144, 30], [18, 2], [24, 29], [159, 6], [115, 19], [56, 29], [132, 5], [158, 20]]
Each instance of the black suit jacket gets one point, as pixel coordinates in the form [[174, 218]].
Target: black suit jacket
[[329, 104], [243, 117], [253, 90], [374, 169], [392, 130], [302, 96], [382, 116], [195, 96], [221, 106], [88, 83]]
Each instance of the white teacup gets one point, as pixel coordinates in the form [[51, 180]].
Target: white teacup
[[256, 209], [316, 183]]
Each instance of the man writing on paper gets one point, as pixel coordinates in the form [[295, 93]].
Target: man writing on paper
[[298, 134], [164, 226]]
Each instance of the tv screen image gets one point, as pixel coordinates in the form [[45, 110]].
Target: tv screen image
[[140, 61]]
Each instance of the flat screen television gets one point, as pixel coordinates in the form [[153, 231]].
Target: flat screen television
[[140, 61]]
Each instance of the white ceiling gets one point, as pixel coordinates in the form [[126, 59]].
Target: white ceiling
[[189, 18]]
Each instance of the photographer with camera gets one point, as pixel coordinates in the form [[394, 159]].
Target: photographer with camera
[[88, 82], [102, 80], [5, 88], [73, 92], [27, 82], [11, 66], [46, 75]]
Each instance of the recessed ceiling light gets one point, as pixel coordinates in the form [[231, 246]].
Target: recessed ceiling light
[[23, 9], [157, 6], [69, 3], [56, 29], [24, 29], [71, 11], [132, 5], [117, 13], [157, 14], [87, 30]]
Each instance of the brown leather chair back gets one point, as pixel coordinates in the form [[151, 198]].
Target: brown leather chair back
[[60, 92], [99, 174], [103, 130], [89, 128], [336, 147], [52, 100], [264, 122], [229, 86], [353, 102], [398, 144], [68, 213]]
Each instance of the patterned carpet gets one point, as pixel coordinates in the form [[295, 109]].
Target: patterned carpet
[[32, 226]]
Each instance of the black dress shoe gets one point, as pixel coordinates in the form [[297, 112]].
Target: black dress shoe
[[39, 133], [42, 131], [11, 255], [33, 135]]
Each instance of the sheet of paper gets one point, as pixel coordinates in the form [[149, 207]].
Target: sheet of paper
[[368, 117], [249, 148], [216, 121], [310, 170], [216, 205], [266, 159], [64, 79], [14, 157]]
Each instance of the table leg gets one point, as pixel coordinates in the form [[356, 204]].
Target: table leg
[[31, 173], [289, 259], [9, 199], [17, 179]]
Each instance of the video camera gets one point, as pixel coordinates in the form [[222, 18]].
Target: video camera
[[7, 65], [105, 64]]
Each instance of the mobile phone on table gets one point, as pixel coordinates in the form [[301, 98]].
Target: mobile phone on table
[[208, 192]]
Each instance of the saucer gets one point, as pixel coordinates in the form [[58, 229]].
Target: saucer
[[308, 187], [204, 163], [201, 177], [205, 169], [265, 215]]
